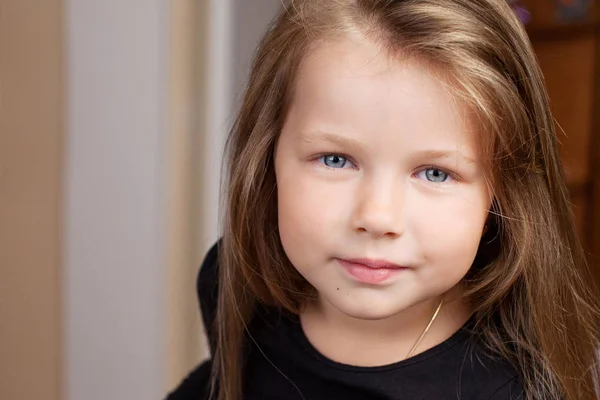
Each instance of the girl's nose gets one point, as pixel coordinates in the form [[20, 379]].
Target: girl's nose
[[380, 210]]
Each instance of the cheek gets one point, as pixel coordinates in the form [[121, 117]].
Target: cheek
[[451, 229], [308, 213]]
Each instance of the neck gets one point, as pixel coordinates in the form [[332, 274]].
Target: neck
[[360, 342]]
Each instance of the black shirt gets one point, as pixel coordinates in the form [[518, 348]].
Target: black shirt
[[282, 364]]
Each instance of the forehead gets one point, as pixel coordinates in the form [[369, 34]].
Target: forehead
[[355, 86]]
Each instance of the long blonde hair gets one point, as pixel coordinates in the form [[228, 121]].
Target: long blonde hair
[[530, 285]]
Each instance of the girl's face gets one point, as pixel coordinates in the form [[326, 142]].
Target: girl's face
[[382, 197]]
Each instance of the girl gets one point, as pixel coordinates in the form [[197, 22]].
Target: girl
[[397, 221]]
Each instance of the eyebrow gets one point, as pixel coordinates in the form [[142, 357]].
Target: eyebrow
[[312, 137], [443, 155]]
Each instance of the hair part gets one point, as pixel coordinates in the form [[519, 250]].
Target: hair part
[[530, 284]]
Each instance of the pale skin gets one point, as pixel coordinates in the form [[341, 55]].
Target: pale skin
[[377, 160]]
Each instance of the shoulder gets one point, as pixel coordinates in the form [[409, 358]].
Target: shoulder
[[207, 286], [209, 268], [196, 386], [484, 375], [512, 389]]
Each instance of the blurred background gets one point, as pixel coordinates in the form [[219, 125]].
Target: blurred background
[[113, 116]]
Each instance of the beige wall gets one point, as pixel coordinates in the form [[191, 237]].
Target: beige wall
[[31, 136], [188, 45]]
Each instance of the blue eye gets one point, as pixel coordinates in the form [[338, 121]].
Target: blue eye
[[334, 161], [434, 175]]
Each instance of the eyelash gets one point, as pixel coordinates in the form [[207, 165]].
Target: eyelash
[[452, 175]]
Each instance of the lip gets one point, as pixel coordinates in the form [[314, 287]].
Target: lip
[[376, 264], [370, 271]]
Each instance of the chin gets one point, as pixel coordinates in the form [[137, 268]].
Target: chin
[[365, 309]]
